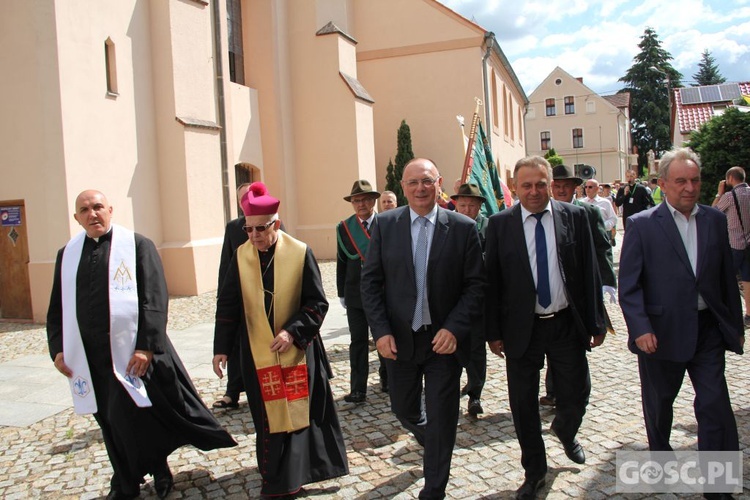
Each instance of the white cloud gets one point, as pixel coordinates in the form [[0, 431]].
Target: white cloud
[[597, 40]]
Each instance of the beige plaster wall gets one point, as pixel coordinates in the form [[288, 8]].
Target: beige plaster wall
[[243, 117], [190, 171], [426, 73], [31, 156], [267, 70], [30, 100]]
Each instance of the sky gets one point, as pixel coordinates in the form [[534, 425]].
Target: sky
[[597, 40]]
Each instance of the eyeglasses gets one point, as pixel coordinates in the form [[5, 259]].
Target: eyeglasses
[[590, 187], [260, 229], [426, 182]]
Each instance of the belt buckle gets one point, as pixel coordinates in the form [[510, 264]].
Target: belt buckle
[[546, 316]]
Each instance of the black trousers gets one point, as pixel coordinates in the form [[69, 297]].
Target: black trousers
[[434, 426], [566, 354], [476, 370], [661, 381], [234, 373], [359, 348]]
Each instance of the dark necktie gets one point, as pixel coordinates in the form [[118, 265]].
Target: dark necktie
[[364, 225], [542, 266]]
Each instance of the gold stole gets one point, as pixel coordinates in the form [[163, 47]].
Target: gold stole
[[282, 376]]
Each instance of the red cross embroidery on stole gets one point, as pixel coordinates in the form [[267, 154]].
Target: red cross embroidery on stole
[[295, 379], [271, 386]]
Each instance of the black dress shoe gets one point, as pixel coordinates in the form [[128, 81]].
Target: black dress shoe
[[573, 450], [163, 482], [355, 397], [118, 495], [547, 400], [384, 385], [475, 407], [529, 488]]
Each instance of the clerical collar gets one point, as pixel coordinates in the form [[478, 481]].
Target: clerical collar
[[270, 250], [107, 236]]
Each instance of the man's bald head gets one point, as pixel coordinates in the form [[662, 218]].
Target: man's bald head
[[421, 182], [93, 213]]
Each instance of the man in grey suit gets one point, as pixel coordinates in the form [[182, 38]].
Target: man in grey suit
[[544, 297], [422, 286]]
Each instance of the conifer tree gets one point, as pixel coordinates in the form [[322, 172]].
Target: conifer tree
[[404, 155], [708, 73], [650, 81], [391, 184]]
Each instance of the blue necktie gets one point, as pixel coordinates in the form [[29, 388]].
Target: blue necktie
[[420, 270], [542, 266]]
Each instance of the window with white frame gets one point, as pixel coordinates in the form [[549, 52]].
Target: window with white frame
[[577, 138], [546, 140]]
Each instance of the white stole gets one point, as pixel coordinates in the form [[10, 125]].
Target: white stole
[[123, 319]]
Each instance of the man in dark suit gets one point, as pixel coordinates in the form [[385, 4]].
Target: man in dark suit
[[353, 238], [234, 236], [632, 197], [544, 297], [687, 317], [468, 200], [564, 184], [422, 287]]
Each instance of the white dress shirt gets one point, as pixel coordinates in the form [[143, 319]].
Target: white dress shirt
[[608, 213], [556, 286], [688, 230]]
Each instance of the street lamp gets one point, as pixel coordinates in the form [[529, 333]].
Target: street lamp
[[668, 81]]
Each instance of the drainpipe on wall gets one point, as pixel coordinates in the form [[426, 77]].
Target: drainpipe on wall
[[489, 39], [218, 58]]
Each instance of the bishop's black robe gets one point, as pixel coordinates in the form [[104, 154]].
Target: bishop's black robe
[[138, 440], [287, 461]]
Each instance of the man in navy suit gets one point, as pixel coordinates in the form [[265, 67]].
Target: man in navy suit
[[687, 315], [422, 288], [544, 298]]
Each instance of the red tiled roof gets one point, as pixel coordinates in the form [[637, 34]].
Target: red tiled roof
[[691, 116], [621, 100]]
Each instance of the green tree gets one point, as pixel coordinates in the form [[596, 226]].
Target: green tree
[[721, 143], [404, 155], [391, 184], [553, 158], [708, 72], [650, 81]]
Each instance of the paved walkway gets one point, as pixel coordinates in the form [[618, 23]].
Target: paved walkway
[[49, 452]]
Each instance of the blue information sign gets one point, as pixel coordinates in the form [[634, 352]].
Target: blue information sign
[[10, 216]]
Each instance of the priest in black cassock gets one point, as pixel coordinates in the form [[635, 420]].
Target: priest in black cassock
[[106, 329], [284, 365]]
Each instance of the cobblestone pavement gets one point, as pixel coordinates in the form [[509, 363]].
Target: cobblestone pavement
[[63, 456]]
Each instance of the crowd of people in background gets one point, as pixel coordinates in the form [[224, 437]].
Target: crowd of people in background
[[433, 283]]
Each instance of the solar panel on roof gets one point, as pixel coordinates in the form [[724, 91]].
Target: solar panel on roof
[[729, 91], [710, 93], [690, 95]]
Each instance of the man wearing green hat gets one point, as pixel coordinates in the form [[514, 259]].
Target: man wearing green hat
[[353, 235], [468, 201]]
